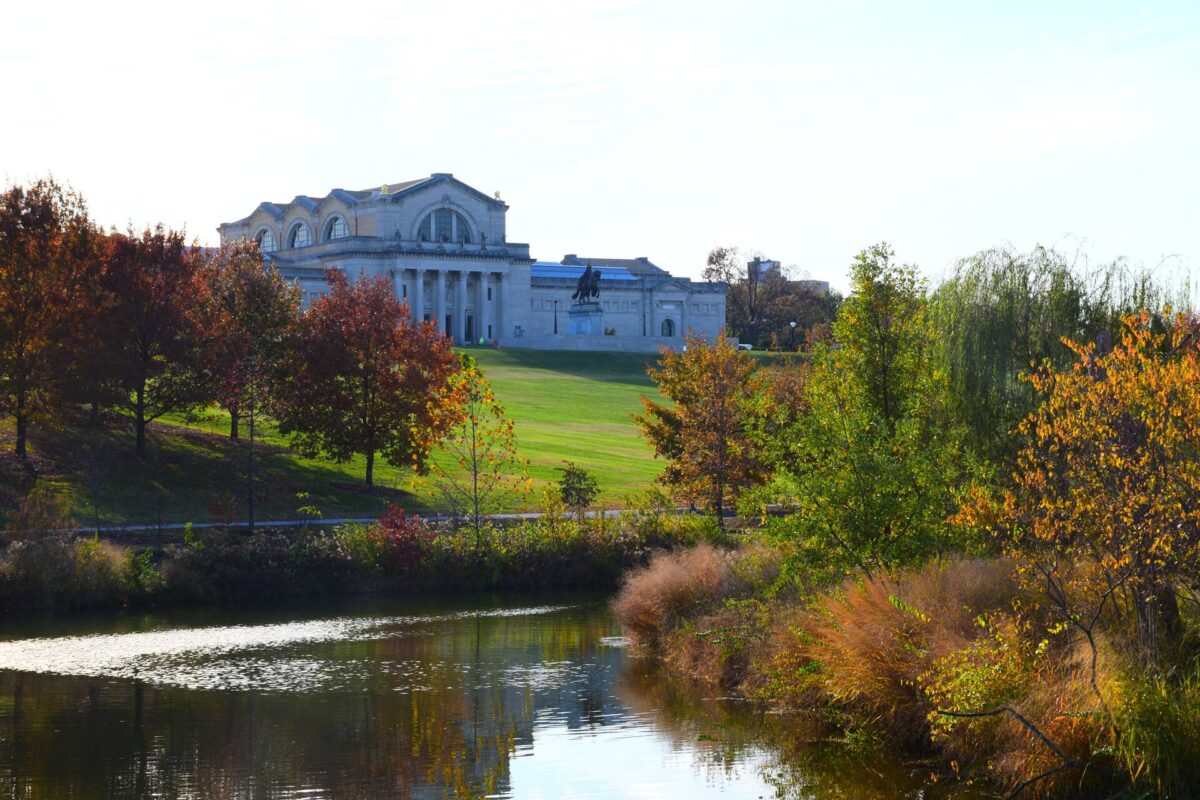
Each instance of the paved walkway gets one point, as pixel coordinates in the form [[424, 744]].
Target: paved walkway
[[608, 513]]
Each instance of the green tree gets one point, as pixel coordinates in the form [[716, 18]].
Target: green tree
[[1004, 312], [866, 454], [577, 487]]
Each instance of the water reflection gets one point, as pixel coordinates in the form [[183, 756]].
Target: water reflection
[[525, 702]]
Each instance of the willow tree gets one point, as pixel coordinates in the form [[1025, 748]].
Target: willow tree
[[1003, 313]]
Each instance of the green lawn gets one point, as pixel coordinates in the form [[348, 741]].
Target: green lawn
[[566, 406]]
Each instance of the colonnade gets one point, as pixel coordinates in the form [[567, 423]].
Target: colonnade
[[410, 285]]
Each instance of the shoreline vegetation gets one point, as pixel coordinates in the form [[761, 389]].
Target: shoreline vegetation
[[989, 553], [400, 555]]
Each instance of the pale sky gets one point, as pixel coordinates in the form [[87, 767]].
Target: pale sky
[[804, 131]]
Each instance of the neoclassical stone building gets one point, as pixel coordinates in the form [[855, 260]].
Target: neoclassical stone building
[[445, 248]]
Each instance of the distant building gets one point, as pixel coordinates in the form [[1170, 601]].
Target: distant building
[[760, 268], [444, 247]]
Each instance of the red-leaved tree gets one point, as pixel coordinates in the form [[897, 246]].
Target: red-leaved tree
[[250, 309], [45, 243], [361, 378], [152, 331]]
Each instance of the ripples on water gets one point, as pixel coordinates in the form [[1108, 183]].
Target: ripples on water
[[526, 702], [213, 658]]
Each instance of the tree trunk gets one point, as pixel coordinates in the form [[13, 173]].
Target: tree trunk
[[22, 422], [1169, 620], [139, 420], [233, 424], [370, 468]]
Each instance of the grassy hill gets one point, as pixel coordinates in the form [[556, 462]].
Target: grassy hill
[[566, 406]]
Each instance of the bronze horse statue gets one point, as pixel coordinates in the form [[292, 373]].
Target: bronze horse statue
[[588, 285]]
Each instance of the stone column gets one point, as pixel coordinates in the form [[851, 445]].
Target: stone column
[[460, 307], [439, 302], [398, 284], [483, 307], [683, 317], [650, 313], [497, 315], [418, 298]]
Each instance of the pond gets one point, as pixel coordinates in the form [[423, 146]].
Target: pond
[[457, 700]]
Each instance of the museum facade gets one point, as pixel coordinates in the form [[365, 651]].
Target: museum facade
[[444, 247]]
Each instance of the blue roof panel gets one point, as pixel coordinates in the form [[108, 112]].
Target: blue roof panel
[[551, 269]]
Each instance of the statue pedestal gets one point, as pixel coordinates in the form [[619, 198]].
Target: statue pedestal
[[585, 319]]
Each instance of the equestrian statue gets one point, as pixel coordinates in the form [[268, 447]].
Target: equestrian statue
[[588, 286]]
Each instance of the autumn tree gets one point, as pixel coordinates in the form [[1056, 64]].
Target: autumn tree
[[360, 377], [250, 309], [46, 240], [704, 430], [482, 467], [761, 305], [1110, 474], [152, 331]]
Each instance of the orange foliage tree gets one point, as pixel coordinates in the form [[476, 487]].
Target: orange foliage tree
[[483, 468], [361, 378], [705, 433], [1110, 473]]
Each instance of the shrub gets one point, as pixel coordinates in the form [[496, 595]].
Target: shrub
[[41, 511], [264, 567], [363, 545], [56, 572], [1159, 743], [406, 540], [673, 586]]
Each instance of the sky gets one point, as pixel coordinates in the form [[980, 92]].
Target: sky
[[801, 131]]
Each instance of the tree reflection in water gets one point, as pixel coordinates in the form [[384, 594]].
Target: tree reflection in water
[[440, 706]]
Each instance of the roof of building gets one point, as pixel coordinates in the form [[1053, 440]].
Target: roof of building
[[392, 188], [387, 190], [549, 269], [640, 266]]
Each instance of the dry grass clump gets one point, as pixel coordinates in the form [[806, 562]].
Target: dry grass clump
[[876, 638], [672, 587]]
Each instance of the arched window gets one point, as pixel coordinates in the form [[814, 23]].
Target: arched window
[[668, 328], [444, 225], [266, 240], [299, 236], [336, 228]]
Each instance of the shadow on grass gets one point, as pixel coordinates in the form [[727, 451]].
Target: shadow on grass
[[188, 475], [610, 367]]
